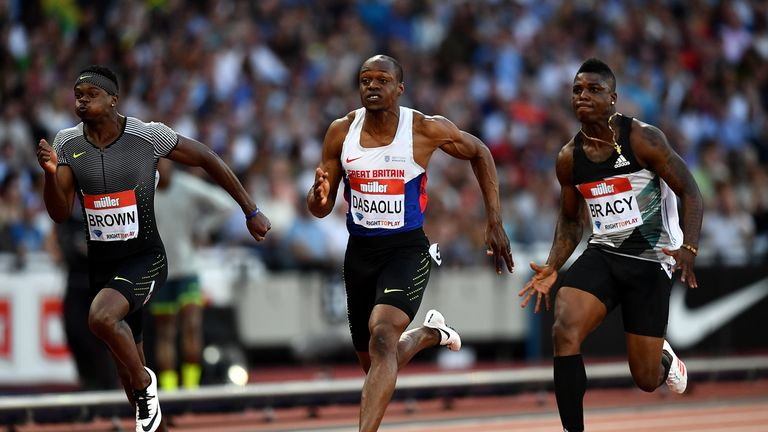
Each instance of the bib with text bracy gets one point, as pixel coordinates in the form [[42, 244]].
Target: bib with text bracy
[[612, 205]]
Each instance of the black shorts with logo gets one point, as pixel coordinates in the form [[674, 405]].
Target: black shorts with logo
[[392, 270], [641, 287], [137, 277]]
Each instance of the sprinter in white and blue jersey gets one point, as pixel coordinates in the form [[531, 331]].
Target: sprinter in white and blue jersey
[[381, 152], [110, 161]]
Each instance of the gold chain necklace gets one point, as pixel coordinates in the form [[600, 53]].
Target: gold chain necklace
[[615, 144]]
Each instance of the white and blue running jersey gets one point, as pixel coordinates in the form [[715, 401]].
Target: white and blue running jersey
[[384, 186]]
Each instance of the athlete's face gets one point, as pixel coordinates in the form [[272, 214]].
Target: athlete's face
[[592, 97], [92, 101], [379, 87]]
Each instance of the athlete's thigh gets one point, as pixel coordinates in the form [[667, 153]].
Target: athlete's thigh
[[404, 279], [587, 294], [578, 312], [361, 272], [645, 290], [137, 279], [140, 277]]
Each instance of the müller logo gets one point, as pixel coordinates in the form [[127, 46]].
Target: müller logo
[[373, 186], [602, 189], [105, 202]]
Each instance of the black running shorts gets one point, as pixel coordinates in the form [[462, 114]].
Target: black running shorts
[[136, 277], [641, 287], [392, 270]]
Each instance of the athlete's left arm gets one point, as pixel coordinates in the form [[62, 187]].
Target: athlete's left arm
[[465, 146], [652, 149], [194, 153]]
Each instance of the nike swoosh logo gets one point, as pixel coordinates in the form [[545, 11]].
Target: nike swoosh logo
[[84, 76], [148, 427], [77, 155], [123, 279], [387, 290], [687, 327], [350, 160]]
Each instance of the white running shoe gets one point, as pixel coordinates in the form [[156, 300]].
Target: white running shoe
[[148, 413], [448, 336], [677, 379]]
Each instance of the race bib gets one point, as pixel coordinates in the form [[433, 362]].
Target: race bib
[[612, 205], [377, 203], [112, 216]]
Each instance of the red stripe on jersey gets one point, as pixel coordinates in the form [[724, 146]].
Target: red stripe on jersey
[[109, 200], [605, 187], [423, 193], [377, 186]]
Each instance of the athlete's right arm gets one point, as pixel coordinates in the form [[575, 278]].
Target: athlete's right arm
[[570, 227], [58, 184], [322, 195], [568, 232]]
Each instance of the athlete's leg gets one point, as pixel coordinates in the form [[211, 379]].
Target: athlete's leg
[[92, 357], [105, 320], [645, 361], [410, 343], [165, 350], [577, 313], [191, 318], [414, 341], [645, 311], [125, 380], [387, 323]]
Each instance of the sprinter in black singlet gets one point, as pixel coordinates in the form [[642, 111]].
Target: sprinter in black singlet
[[381, 152], [624, 174], [110, 161]]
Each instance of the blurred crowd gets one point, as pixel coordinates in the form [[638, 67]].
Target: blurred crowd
[[260, 81]]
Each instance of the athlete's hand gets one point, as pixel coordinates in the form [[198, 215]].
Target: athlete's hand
[[46, 157], [539, 285], [498, 246], [322, 187], [684, 262], [258, 226]]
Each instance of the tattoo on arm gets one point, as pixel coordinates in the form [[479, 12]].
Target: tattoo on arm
[[567, 236]]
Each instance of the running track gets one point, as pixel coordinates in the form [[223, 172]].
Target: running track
[[709, 407]]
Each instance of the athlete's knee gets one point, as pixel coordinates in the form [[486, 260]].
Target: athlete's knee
[[384, 338], [101, 321], [565, 337]]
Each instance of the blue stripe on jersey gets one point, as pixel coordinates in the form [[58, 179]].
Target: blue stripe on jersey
[[414, 216]]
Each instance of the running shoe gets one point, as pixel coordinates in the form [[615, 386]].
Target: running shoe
[[677, 378], [148, 414], [448, 336]]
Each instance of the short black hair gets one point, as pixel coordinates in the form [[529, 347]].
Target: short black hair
[[104, 71], [395, 63], [594, 65]]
